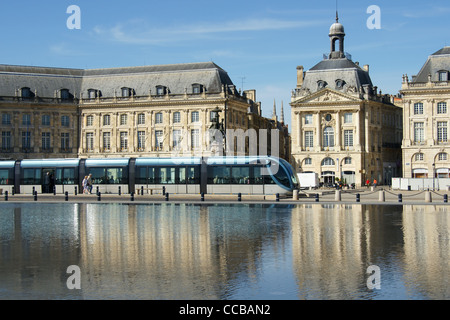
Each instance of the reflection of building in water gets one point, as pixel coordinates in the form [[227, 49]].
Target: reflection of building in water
[[328, 245], [32, 251], [427, 249], [168, 251]]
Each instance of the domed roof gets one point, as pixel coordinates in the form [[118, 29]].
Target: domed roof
[[337, 29]]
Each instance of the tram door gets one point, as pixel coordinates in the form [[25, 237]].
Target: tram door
[[48, 180]]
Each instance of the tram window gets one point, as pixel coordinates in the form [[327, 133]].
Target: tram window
[[166, 175], [282, 177], [257, 176], [5, 177], [31, 176], [65, 176], [240, 175], [181, 175], [141, 175], [108, 175], [193, 176], [219, 175]]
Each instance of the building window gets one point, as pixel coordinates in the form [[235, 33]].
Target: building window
[[418, 132], [308, 161], [340, 84], [65, 141], [308, 119], [161, 90], [6, 140], [443, 76], [213, 115], [141, 140], [197, 88], [442, 131], [177, 117], [123, 141], [65, 95], [126, 92], [321, 84], [442, 107], [93, 94], [89, 121], [328, 137], [141, 118], [442, 156], [327, 162], [27, 93], [106, 120], [90, 141], [348, 117], [26, 119], [159, 139], [45, 140], [195, 138], [309, 139], [176, 138], [26, 140], [106, 141], [418, 108], [6, 119], [65, 121], [419, 157], [195, 117], [159, 118], [45, 120], [123, 119], [347, 160], [348, 138]]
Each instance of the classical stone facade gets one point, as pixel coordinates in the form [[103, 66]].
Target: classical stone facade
[[342, 127], [426, 96], [149, 111]]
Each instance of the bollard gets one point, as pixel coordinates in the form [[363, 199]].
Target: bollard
[[6, 195], [239, 196], [167, 196], [337, 195], [99, 196], [295, 195], [132, 196], [54, 190], [13, 191], [445, 198], [97, 192], [120, 190], [277, 197], [33, 190], [400, 197], [317, 197], [75, 192], [164, 191], [35, 195], [427, 196], [381, 196], [67, 196], [142, 190], [202, 197]]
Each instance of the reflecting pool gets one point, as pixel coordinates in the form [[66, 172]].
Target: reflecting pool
[[226, 251]]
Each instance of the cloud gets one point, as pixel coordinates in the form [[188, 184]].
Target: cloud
[[139, 32]]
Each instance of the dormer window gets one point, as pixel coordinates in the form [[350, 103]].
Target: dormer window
[[93, 93], [321, 84], [126, 92], [161, 90], [26, 93], [65, 95], [197, 88], [443, 75], [340, 84]]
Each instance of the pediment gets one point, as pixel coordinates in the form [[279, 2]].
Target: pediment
[[326, 96]]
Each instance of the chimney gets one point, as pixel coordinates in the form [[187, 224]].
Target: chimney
[[299, 76]]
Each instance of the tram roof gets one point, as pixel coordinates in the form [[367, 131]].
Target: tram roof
[[107, 162], [168, 161], [7, 164], [49, 163]]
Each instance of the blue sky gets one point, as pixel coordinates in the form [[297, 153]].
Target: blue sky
[[259, 43]]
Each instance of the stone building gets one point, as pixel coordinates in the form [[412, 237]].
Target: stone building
[[426, 119], [342, 127], [147, 111]]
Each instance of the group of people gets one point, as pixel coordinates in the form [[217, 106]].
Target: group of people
[[374, 182], [87, 184]]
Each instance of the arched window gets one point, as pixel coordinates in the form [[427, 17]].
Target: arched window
[[419, 157], [442, 156], [348, 160], [328, 137], [327, 162], [321, 84], [308, 161], [340, 84]]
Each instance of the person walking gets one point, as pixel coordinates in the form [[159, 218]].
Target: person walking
[[85, 184], [375, 182], [89, 183], [367, 183]]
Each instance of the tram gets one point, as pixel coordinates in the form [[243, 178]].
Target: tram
[[210, 175]]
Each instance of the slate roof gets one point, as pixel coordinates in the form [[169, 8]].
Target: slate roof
[[438, 61], [176, 77]]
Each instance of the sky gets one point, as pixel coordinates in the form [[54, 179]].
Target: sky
[[259, 43]]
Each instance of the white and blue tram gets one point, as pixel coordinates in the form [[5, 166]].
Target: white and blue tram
[[213, 175]]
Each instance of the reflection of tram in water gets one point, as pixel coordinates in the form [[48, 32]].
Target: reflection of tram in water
[[214, 175]]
